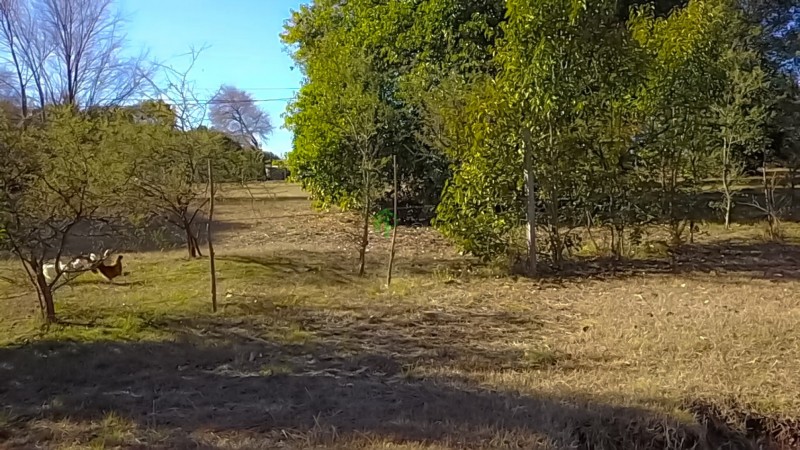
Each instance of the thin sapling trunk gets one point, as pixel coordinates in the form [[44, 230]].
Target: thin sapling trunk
[[394, 224], [212, 263], [726, 182], [365, 230], [530, 186]]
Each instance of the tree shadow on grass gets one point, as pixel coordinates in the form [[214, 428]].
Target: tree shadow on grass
[[190, 391], [763, 260], [156, 235], [97, 281], [318, 268], [459, 341], [339, 267], [776, 262]]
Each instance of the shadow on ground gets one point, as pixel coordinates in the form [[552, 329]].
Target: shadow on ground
[[129, 238], [458, 341], [317, 267], [748, 202], [768, 261], [286, 396], [332, 267]]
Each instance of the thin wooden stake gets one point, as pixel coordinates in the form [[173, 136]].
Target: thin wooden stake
[[210, 243], [394, 225], [530, 189]]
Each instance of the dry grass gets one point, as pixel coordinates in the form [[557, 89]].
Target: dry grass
[[304, 354]]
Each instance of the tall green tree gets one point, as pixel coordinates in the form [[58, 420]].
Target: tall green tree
[[682, 79], [413, 47], [555, 61], [358, 118], [741, 113]]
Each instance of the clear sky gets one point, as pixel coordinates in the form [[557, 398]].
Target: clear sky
[[244, 47]]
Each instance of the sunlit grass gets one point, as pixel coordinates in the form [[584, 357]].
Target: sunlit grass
[[290, 306]]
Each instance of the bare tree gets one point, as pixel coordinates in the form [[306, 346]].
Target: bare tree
[[168, 170], [177, 88], [88, 67], [34, 50], [68, 52], [11, 31], [234, 112], [25, 47]]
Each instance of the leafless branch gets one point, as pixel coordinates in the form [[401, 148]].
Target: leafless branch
[[68, 51], [235, 113], [178, 89]]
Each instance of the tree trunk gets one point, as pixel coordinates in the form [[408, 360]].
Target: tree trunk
[[45, 297], [765, 185], [365, 232], [197, 246], [23, 93], [212, 263], [556, 244], [192, 245], [726, 187], [394, 225], [769, 201], [530, 191], [727, 212], [42, 100], [618, 241]]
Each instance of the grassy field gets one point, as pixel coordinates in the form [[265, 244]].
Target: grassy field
[[303, 354]]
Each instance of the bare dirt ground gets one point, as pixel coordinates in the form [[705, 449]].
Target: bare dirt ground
[[304, 354]]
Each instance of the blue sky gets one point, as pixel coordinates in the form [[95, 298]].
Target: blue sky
[[244, 47]]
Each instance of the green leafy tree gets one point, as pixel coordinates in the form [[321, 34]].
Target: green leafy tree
[[554, 58], [361, 122], [412, 47], [741, 113], [167, 175], [546, 114], [483, 202], [55, 179], [682, 80]]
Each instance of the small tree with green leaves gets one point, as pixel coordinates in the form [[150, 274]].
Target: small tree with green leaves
[[167, 177], [681, 79], [53, 180], [556, 57], [167, 166], [740, 114], [364, 122], [342, 126]]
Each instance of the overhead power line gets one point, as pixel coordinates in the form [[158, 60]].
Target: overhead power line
[[271, 89], [211, 100], [256, 100]]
